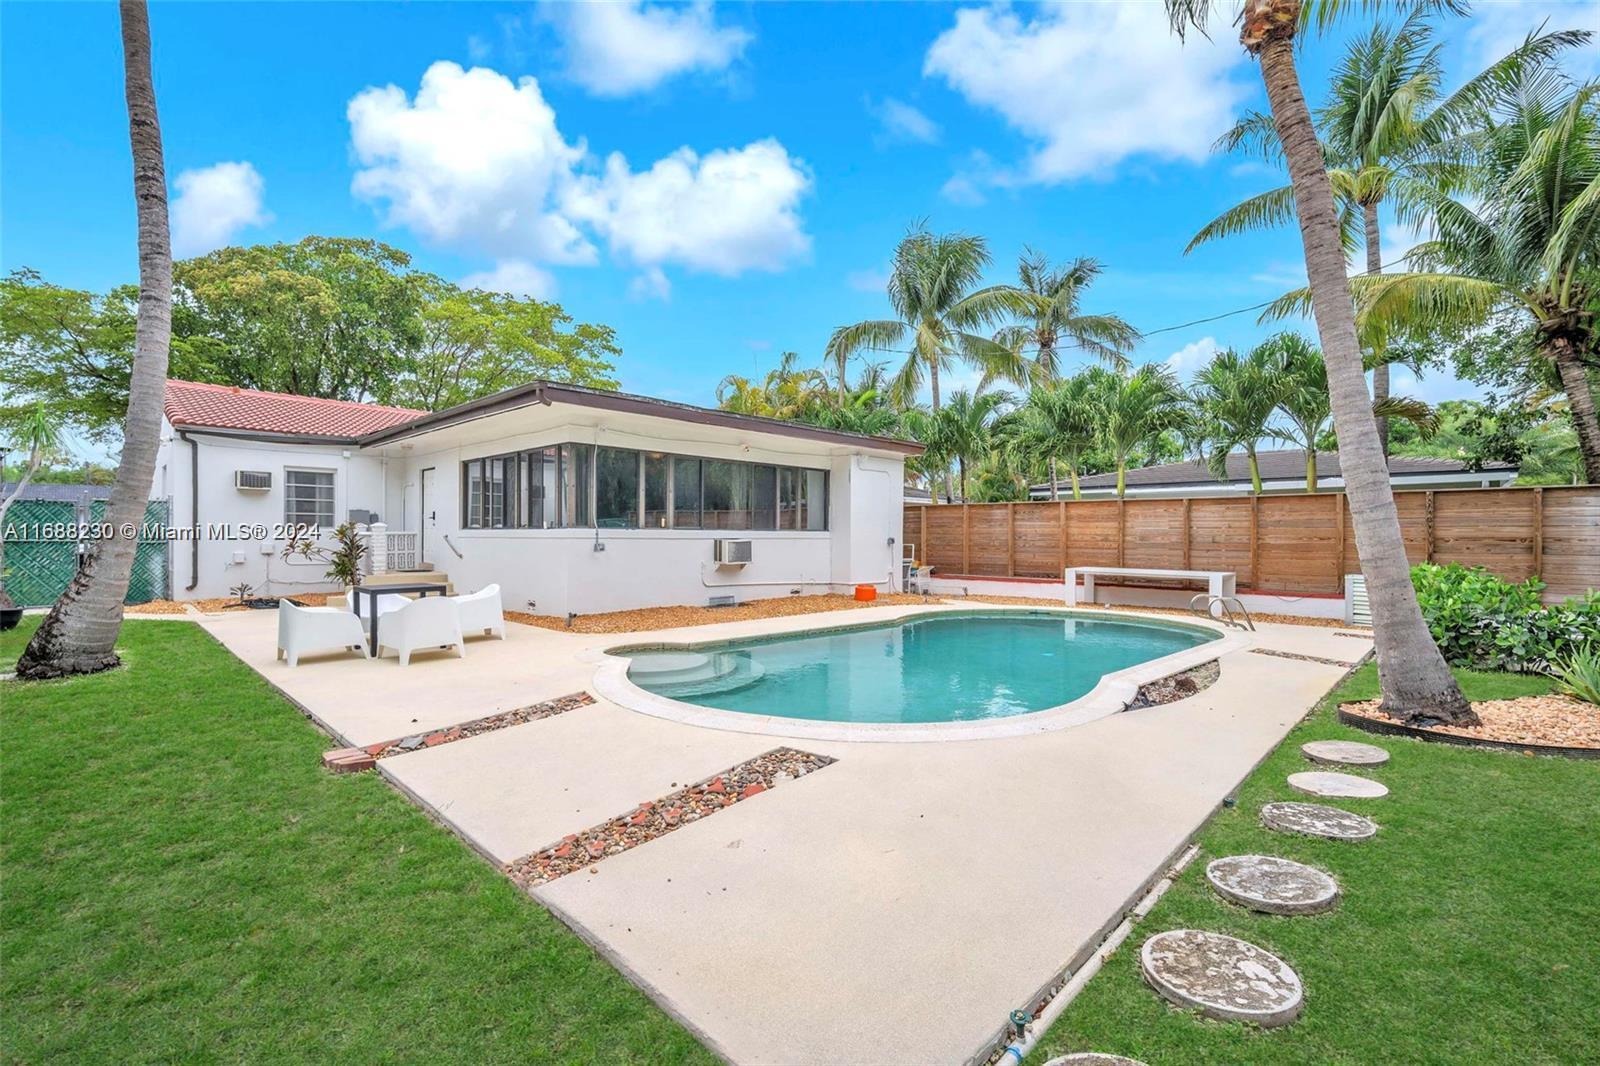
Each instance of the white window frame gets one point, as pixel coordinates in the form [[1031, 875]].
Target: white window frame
[[333, 499]]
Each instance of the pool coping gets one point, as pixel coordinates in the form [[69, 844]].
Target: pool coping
[[1111, 694]]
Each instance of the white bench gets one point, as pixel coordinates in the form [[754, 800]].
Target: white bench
[[1218, 582]]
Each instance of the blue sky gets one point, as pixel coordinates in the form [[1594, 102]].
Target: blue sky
[[718, 184]]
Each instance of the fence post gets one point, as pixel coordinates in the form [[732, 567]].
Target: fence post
[[1186, 502], [1255, 540], [922, 535], [1011, 539], [1122, 529], [1338, 521], [966, 537], [1062, 531], [1427, 525], [1538, 533]]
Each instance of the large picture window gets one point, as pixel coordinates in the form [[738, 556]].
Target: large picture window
[[308, 498], [579, 485]]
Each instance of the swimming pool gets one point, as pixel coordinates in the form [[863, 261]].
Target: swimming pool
[[946, 667]]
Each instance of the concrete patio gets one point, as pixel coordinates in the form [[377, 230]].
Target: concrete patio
[[891, 908]]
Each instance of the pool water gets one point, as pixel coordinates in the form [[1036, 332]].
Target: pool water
[[946, 668]]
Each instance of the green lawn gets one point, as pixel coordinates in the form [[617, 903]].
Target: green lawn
[[1469, 931], [180, 881]]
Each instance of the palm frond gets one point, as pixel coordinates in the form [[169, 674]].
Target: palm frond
[[1408, 409], [1274, 207]]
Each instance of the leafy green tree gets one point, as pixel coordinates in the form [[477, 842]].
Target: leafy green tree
[[940, 311], [1302, 397], [39, 435], [473, 343], [1134, 409], [966, 427], [1533, 436], [787, 391], [1060, 426]]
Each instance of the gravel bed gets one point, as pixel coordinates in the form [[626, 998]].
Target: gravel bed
[[661, 816], [531, 713], [1175, 687], [1301, 658], [1555, 720]]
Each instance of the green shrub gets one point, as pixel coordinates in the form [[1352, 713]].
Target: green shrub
[[1578, 674], [1487, 623]]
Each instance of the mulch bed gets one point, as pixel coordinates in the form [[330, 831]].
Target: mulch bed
[[1175, 687], [1532, 721], [659, 817], [531, 713]]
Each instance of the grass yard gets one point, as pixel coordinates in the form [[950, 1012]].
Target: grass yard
[[1467, 932], [182, 882]]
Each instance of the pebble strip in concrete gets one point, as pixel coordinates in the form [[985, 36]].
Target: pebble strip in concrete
[[1326, 783], [1343, 753], [1272, 885], [1315, 820], [531, 713], [1222, 977], [658, 817], [1300, 658]]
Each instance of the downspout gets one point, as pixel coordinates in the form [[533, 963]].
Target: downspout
[[194, 510]]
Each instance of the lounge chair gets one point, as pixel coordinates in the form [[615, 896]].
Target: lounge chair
[[422, 624], [307, 629], [387, 603], [481, 612]]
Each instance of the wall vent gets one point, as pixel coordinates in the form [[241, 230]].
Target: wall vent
[[1357, 609], [723, 601], [252, 480], [732, 552]]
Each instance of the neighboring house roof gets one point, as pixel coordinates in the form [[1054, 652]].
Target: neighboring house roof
[[74, 492], [1279, 464], [191, 403]]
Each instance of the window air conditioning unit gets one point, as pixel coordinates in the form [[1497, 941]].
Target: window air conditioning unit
[[252, 480], [732, 552]]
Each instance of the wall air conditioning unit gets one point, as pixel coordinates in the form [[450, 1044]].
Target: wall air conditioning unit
[[732, 552], [1357, 610], [252, 480]]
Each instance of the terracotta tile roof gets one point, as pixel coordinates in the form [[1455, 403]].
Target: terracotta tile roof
[[191, 403]]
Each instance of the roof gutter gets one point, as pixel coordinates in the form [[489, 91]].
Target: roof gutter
[[265, 436]]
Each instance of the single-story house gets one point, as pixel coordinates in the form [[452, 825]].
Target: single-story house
[[1282, 470], [573, 500]]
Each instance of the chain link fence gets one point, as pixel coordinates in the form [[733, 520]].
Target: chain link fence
[[46, 552]]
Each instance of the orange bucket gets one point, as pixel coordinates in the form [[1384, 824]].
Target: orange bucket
[[866, 593]]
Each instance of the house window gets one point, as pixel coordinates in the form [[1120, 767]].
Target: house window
[[580, 485], [308, 498]]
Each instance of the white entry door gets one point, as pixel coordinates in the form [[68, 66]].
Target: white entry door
[[427, 523]]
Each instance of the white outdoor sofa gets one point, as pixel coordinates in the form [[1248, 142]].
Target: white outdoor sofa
[[425, 623], [1218, 582], [308, 629], [481, 612]]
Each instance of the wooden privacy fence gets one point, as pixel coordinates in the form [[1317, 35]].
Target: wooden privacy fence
[[1295, 544]]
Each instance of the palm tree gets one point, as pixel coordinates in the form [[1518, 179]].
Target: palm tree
[[932, 289], [965, 428], [1055, 320], [1384, 131], [1518, 231], [1134, 409], [1235, 397], [1302, 397], [79, 635], [1060, 425], [1415, 681]]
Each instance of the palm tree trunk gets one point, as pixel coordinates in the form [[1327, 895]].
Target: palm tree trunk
[[1311, 470], [79, 635], [1255, 470], [1380, 373], [1580, 401], [1415, 681], [1072, 472], [1055, 480], [1122, 478]]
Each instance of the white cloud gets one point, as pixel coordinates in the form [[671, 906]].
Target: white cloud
[[1093, 84], [901, 123], [1497, 28], [476, 161], [651, 284], [473, 159], [213, 204], [1192, 356], [617, 49], [731, 210], [515, 276]]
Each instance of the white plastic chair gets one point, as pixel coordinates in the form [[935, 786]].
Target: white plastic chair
[[429, 622], [387, 603], [307, 629], [481, 612]]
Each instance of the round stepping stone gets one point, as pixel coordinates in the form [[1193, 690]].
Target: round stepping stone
[[1092, 1058], [1315, 820], [1344, 753], [1222, 977], [1327, 783], [1272, 885]]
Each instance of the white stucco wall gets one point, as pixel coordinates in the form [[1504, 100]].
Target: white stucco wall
[[544, 571], [223, 563]]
